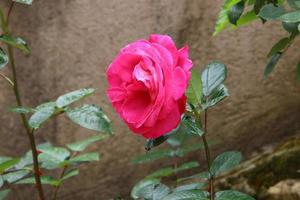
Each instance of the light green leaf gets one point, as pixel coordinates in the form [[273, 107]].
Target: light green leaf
[[299, 27], [15, 176], [235, 12], [42, 114], [271, 64], [194, 91], [223, 20], [3, 58], [150, 189], [191, 186], [188, 195], [298, 72], [279, 46], [87, 157], [215, 97], [6, 164], [25, 161], [3, 194], [15, 42], [291, 27], [187, 166], [202, 175], [271, 12], [82, 145], [70, 174], [90, 117], [291, 17], [294, 3], [27, 2], [213, 75], [192, 127], [163, 172], [225, 162], [232, 194], [22, 110], [52, 157], [153, 155], [1, 181], [74, 96], [187, 149], [247, 18], [45, 180]]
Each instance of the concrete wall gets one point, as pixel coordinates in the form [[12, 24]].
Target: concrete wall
[[73, 41]]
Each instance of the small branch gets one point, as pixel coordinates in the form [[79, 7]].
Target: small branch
[[7, 79], [9, 11]]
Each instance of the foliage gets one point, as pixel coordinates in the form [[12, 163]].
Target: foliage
[[233, 14]]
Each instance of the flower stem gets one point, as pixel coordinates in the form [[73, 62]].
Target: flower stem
[[29, 131]]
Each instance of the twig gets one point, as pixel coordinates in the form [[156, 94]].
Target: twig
[[7, 79]]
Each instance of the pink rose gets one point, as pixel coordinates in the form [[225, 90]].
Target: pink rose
[[147, 82]]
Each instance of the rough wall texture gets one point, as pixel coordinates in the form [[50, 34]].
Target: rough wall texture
[[74, 40]]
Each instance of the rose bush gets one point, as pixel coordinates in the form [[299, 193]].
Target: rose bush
[[147, 81]]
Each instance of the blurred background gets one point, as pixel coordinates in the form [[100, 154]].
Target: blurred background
[[73, 41]]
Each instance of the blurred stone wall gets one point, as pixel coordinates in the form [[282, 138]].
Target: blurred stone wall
[[73, 41]]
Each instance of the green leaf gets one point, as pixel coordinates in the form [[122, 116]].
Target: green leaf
[[192, 126], [299, 27], [291, 17], [279, 46], [188, 195], [271, 64], [53, 157], [225, 162], [22, 110], [191, 186], [8, 164], [150, 189], [87, 157], [215, 97], [45, 180], [90, 117], [187, 149], [25, 161], [291, 27], [3, 58], [223, 20], [82, 145], [1, 181], [187, 166], [15, 42], [232, 194], [74, 96], [163, 172], [15, 176], [27, 2], [42, 114], [236, 12], [202, 175], [153, 155], [70, 174], [213, 75], [298, 72], [247, 18], [3, 194], [294, 3], [271, 12], [194, 91], [150, 143]]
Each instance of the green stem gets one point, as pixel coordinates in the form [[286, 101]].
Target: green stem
[[29, 131]]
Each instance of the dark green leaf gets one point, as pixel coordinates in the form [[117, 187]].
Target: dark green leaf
[[225, 162], [191, 186], [150, 189], [8, 164], [15, 176], [90, 117], [70, 174], [194, 91], [187, 166], [27, 2], [271, 12], [87, 157], [3, 58], [213, 75], [163, 172], [192, 127], [290, 27], [82, 145], [298, 72], [22, 110], [15, 42], [236, 12], [52, 157], [150, 143], [271, 64], [279, 46], [294, 3], [3, 194], [153, 155], [215, 97], [46, 180], [74, 96], [223, 20], [247, 18], [291, 17], [231, 194], [188, 195], [42, 114]]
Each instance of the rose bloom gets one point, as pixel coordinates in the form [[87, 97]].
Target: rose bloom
[[147, 81]]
